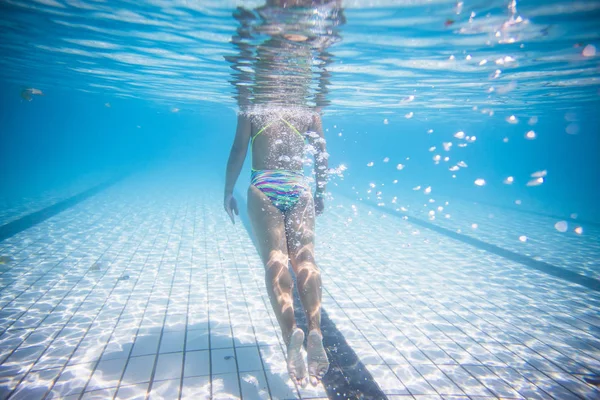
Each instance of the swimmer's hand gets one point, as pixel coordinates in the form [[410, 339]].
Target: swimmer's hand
[[231, 207], [319, 203]]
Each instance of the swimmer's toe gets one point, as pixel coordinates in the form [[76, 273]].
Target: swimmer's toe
[[295, 360], [318, 364]]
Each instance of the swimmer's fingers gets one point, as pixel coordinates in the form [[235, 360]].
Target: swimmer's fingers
[[234, 206], [230, 206], [230, 215]]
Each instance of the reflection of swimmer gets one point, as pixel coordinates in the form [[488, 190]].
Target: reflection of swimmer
[[280, 120], [27, 94]]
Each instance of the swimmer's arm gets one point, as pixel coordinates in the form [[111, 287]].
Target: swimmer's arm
[[238, 152], [321, 163]]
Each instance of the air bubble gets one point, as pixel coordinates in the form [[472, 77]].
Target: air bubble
[[589, 51], [572, 129], [539, 174], [561, 226], [530, 135], [535, 182]]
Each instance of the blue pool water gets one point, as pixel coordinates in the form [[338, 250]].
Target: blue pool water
[[463, 142]]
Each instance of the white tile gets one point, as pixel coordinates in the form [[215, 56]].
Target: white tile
[[386, 379], [197, 387], [413, 380], [225, 386], [172, 342], [248, 359], [221, 338], [102, 394], [197, 363], [254, 385], [107, 374], [116, 350], [138, 370], [281, 385], [146, 344], [132, 392], [168, 366], [165, 390], [244, 336], [492, 382], [72, 380], [223, 361], [466, 381], [197, 340], [35, 385]]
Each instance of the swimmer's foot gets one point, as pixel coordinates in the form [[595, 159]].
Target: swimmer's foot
[[295, 360], [318, 364]]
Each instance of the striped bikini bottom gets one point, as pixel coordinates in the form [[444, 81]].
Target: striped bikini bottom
[[283, 187]]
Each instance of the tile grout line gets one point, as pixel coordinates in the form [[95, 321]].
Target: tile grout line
[[549, 269], [138, 329], [260, 356], [97, 363], [501, 345], [60, 330], [155, 366], [187, 310], [207, 300], [412, 219], [12, 228], [237, 368]]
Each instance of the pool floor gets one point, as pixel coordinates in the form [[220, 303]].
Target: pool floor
[[146, 290]]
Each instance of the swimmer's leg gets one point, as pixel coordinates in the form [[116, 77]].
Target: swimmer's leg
[[268, 225], [300, 225]]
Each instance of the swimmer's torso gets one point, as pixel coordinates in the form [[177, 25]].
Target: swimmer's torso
[[279, 146]]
